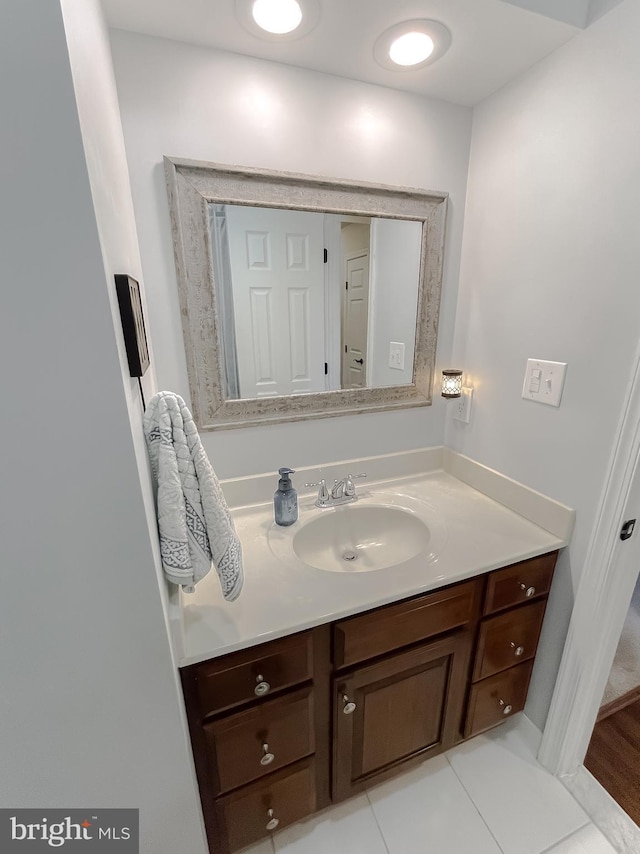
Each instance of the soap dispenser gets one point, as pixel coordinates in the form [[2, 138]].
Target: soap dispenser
[[285, 500]]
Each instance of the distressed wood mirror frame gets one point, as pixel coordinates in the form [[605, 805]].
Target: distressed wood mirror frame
[[192, 185]]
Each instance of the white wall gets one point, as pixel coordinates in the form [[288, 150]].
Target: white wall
[[550, 270], [186, 101], [395, 266], [91, 711]]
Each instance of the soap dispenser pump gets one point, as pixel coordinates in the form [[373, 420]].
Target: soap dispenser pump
[[285, 500]]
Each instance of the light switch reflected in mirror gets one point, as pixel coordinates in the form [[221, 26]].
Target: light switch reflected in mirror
[[314, 301]]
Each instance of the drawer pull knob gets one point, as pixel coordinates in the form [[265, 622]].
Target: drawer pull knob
[[528, 591], [517, 650], [273, 822], [507, 708], [266, 758], [262, 687], [348, 707]]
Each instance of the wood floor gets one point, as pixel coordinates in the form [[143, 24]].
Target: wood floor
[[614, 757]]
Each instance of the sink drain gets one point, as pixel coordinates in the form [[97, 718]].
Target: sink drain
[[349, 555]]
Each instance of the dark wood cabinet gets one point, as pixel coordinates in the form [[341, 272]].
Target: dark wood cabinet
[[514, 605], [405, 707], [508, 639], [520, 582], [395, 626], [493, 700], [241, 677], [284, 728], [251, 744], [255, 811]]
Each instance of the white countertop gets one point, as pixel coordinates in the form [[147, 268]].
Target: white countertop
[[475, 535]]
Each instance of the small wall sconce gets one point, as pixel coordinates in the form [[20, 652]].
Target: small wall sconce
[[451, 383]]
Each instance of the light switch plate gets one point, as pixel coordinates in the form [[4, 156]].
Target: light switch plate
[[396, 355], [544, 381]]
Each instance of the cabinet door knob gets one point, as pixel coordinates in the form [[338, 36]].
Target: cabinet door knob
[[528, 591], [262, 687], [507, 708], [266, 758], [517, 650], [348, 707], [272, 822]]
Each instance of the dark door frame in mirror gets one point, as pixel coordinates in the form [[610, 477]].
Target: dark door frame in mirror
[[192, 186]]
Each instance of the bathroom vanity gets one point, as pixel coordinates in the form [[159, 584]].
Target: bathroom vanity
[[320, 682]]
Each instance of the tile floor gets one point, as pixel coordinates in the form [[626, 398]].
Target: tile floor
[[487, 796]]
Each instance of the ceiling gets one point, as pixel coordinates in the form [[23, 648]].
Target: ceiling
[[493, 41]]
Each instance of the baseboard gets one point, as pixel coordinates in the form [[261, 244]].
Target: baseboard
[[604, 812], [618, 704]]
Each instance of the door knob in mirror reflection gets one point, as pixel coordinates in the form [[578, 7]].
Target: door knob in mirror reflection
[[262, 687], [348, 707], [507, 708], [266, 758]]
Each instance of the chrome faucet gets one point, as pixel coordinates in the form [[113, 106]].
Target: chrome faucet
[[342, 491]]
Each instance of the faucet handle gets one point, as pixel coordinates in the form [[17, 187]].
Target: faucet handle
[[349, 485], [337, 490], [323, 492]]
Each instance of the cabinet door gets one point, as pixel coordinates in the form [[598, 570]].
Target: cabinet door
[[406, 706]]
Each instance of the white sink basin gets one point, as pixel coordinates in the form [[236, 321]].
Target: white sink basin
[[361, 538], [380, 532]]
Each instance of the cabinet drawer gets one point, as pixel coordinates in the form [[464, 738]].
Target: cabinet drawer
[[290, 794], [256, 672], [508, 639], [387, 629], [497, 698], [519, 583], [241, 745]]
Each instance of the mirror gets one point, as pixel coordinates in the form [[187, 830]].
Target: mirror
[[303, 297], [293, 323]]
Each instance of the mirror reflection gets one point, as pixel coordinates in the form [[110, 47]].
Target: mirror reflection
[[312, 301]]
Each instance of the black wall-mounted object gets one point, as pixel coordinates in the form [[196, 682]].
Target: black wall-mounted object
[[135, 336], [627, 529]]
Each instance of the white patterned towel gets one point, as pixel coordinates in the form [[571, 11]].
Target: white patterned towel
[[193, 518]]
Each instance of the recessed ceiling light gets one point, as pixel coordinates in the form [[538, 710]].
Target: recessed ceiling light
[[411, 48], [277, 16], [411, 45], [278, 20]]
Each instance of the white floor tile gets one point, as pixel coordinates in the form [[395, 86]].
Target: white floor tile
[[428, 810], [587, 840], [527, 809], [348, 827]]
